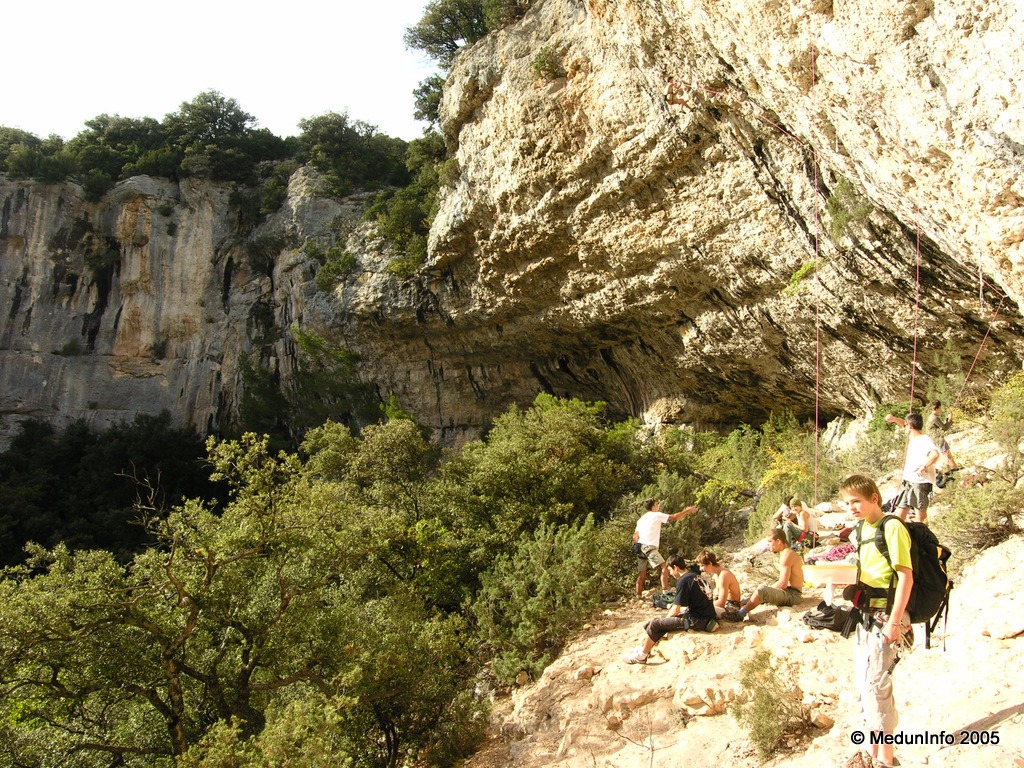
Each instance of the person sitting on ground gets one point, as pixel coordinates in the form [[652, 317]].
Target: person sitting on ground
[[785, 512], [799, 524], [788, 590], [936, 428], [918, 468], [727, 586], [647, 535], [691, 609]]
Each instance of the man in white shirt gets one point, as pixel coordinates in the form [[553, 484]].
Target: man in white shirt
[[647, 539], [799, 524], [918, 468]]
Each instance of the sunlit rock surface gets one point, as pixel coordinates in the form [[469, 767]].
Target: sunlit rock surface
[[833, 203]]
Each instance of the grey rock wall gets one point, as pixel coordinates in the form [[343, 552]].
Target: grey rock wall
[[833, 203]]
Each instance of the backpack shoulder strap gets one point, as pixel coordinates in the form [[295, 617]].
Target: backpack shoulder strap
[[860, 543], [883, 547], [880, 541]]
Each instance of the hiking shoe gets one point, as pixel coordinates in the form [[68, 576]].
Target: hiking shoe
[[713, 626], [636, 657], [731, 616]]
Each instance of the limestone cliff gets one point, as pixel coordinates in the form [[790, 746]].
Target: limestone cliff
[[649, 253], [822, 165], [142, 302]]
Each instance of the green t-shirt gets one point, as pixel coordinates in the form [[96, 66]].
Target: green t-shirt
[[874, 570]]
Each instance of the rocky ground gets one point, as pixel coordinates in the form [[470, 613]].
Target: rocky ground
[[590, 708]]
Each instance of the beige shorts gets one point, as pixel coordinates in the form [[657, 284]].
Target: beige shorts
[[650, 557]]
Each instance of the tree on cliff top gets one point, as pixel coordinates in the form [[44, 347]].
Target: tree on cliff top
[[446, 26]]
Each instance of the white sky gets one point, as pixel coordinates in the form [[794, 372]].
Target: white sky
[[67, 61]]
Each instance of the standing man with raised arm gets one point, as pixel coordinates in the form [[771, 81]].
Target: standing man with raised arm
[[647, 535], [918, 467]]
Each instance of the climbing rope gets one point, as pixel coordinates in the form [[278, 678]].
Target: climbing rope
[[981, 346], [917, 308], [817, 295]]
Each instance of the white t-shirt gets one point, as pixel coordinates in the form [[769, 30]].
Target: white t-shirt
[[918, 448], [812, 520], [649, 527]]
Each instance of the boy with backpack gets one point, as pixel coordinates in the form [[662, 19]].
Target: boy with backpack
[[884, 620]]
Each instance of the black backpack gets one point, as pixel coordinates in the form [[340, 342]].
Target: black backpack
[[832, 617], [929, 598]]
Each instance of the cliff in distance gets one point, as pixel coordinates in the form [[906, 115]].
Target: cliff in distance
[[838, 179]]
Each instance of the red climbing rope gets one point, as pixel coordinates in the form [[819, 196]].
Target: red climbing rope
[[817, 297], [978, 355]]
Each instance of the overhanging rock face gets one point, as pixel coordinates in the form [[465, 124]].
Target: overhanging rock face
[[831, 207], [690, 257]]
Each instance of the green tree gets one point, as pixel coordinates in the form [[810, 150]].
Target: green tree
[[445, 27], [111, 142], [236, 615], [216, 139], [351, 154], [46, 160], [427, 99], [985, 514], [404, 216], [769, 464], [532, 600], [81, 487], [554, 463]]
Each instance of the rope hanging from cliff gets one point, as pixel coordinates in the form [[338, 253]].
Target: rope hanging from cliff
[[981, 346], [917, 308], [817, 295], [681, 95]]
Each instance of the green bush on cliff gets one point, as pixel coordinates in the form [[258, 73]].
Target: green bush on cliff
[[547, 64], [532, 600], [208, 137], [336, 265], [846, 207], [351, 154], [404, 216]]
